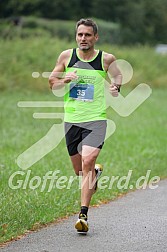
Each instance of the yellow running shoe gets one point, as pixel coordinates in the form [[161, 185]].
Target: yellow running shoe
[[98, 170], [82, 224]]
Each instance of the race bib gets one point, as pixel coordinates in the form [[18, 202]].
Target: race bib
[[82, 92]]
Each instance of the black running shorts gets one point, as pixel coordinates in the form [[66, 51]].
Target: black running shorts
[[86, 133]]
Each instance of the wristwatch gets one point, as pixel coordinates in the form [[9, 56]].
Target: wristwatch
[[118, 87]]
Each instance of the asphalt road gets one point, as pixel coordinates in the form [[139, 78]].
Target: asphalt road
[[135, 222]]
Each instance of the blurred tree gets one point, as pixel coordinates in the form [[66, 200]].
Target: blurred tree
[[156, 20], [105, 9], [10, 8], [131, 16], [56, 9], [142, 21]]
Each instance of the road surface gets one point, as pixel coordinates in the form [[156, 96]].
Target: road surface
[[134, 222]]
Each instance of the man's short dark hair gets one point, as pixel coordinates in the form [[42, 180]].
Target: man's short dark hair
[[87, 22]]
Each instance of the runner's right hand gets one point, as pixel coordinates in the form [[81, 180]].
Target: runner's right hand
[[70, 76]]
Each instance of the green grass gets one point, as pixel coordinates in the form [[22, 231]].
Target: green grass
[[19, 58], [139, 143]]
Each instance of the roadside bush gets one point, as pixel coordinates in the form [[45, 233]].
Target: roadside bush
[[32, 26]]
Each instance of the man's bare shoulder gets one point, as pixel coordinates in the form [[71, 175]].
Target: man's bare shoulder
[[64, 57], [108, 59], [65, 54]]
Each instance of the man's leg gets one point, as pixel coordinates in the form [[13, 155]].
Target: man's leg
[[89, 156], [77, 163], [88, 173], [86, 165]]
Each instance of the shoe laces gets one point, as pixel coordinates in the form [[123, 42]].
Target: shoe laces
[[83, 216]]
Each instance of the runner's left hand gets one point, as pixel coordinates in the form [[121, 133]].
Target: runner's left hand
[[113, 90]]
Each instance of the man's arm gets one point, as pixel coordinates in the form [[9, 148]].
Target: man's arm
[[58, 78], [113, 72]]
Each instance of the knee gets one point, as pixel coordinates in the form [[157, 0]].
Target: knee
[[88, 163]]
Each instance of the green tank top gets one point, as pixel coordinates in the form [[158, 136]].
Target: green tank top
[[84, 99]]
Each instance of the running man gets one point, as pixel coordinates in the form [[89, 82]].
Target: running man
[[82, 72]]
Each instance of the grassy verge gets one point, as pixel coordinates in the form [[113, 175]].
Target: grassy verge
[[139, 144], [19, 58]]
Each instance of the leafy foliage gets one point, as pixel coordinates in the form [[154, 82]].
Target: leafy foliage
[[40, 27], [140, 21]]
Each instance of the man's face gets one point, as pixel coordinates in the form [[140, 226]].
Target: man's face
[[85, 37]]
